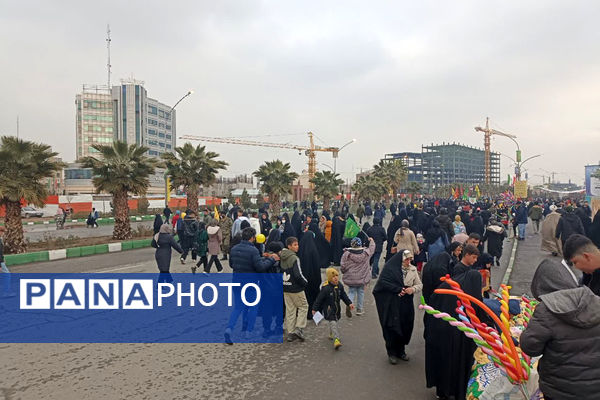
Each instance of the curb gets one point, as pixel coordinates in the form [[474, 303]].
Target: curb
[[511, 263], [74, 252], [101, 221]]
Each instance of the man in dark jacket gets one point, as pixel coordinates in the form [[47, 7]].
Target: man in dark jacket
[[245, 259], [167, 213], [445, 223], [190, 232], [569, 224], [521, 215], [565, 329], [379, 236], [294, 282]]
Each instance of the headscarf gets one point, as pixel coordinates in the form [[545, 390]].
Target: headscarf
[[433, 233], [435, 268], [395, 224], [391, 278], [164, 228], [403, 226], [157, 223]]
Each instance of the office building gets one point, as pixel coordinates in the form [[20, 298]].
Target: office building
[[126, 113], [143, 120], [94, 119]]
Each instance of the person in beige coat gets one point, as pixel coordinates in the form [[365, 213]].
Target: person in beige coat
[[405, 239], [549, 241]]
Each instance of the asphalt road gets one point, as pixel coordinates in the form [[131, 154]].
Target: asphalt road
[[243, 371]]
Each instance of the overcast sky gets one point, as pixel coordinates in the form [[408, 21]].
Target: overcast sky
[[393, 76]]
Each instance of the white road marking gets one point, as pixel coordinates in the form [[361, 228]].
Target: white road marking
[[116, 269]]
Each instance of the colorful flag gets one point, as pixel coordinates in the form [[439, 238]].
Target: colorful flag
[[352, 229]]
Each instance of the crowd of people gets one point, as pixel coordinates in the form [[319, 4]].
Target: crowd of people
[[425, 241]]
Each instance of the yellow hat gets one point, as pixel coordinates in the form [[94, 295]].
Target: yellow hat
[[331, 272], [260, 238]]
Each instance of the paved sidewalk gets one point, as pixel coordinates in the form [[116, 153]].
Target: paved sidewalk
[[528, 257]]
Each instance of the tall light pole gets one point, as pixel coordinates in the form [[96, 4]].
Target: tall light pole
[[328, 166], [167, 188], [335, 155]]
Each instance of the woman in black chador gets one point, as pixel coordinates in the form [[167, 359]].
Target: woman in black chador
[[448, 352]]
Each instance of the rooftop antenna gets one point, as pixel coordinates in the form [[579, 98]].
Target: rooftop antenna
[[108, 51]]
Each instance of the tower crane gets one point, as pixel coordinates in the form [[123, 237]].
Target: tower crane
[[310, 151], [488, 132]]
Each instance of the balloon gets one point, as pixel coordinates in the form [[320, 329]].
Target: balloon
[[260, 238]]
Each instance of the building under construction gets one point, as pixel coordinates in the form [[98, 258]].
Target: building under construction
[[448, 163]]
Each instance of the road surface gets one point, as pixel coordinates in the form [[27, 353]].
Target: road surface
[[193, 371]]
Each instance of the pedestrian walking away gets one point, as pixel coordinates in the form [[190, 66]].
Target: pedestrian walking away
[[163, 242], [215, 238], [356, 270]]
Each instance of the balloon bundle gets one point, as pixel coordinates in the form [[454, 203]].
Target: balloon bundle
[[499, 346]]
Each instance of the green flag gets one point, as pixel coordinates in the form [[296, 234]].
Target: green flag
[[352, 229]]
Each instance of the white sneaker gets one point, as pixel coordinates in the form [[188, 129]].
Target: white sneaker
[[182, 260], [359, 312]]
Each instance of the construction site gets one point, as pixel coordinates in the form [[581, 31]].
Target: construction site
[[448, 163]]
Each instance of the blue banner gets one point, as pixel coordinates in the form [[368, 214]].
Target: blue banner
[[141, 308]]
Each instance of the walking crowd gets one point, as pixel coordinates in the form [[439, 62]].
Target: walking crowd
[[423, 242]]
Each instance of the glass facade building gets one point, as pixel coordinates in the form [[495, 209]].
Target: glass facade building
[[125, 113], [94, 119]]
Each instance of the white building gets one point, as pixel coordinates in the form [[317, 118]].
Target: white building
[[126, 113]]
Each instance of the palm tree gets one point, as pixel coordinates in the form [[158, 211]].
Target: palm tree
[[413, 188], [326, 186], [119, 170], [369, 187], [23, 165], [276, 181], [392, 173], [194, 168]]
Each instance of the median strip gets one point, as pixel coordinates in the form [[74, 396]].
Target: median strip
[[74, 252]]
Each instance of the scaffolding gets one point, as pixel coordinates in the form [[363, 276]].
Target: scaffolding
[[451, 163]]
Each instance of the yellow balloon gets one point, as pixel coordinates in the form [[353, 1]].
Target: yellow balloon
[[260, 238]]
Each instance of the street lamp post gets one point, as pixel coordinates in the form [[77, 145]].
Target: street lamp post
[[171, 115], [328, 166], [335, 155]]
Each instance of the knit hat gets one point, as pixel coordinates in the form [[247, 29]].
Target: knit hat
[[331, 273], [552, 207], [356, 242]]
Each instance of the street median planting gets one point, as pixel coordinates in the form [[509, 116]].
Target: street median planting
[[74, 252]]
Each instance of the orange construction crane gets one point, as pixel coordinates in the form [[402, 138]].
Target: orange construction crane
[[310, 151], [488, 134]]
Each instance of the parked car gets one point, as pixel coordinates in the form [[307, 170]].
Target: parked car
[[30, 212]]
